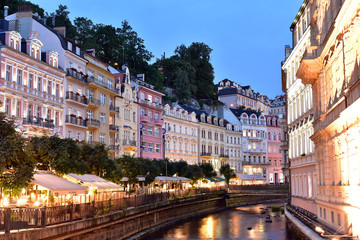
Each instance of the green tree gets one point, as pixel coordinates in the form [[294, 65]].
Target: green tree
[[14, 4], [96, 156], [16, 167], [208, 170], [194, 173], [228, 173]]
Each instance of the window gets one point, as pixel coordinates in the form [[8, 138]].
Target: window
[[150, 114], [89, 136], [69, 134], [134, 117], [110, 84], [39, 84], [150, 130], [102, 138], [102, 98], [7, 107], [143, 112], [150, 147], [30, 81], [157, 148], [49, 87], [18, 109], [156, 115], [100, 79], [8, 73], [157, 132], [90, 114], [19, 77], [102, 117]]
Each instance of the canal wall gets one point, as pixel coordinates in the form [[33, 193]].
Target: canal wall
[[137, 222]]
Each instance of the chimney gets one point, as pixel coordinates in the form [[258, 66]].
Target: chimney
[[6, 9], [61, 30], [91, 51], [287, 51]]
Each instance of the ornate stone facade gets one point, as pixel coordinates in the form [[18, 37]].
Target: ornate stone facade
[[331, 66]]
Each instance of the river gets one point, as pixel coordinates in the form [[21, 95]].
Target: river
[[233, 223]]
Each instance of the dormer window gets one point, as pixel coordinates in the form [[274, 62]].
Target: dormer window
[[70, 46], [13, 39], [52, 58], [77, 50]]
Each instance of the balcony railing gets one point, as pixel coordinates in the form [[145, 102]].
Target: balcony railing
[[151, 104], [34, 92], [224, 156], [144, 118], [128, 142], [93, 122], [247, 163], [113, 108], [114, 147], [40, 122], [102, 84], [94, 101], [72, 119], [113, 128], [205, 154], [76, 97], [74, 74], [158, 122]]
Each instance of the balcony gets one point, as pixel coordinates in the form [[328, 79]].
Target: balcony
[[71, 72], [113, 128], [247, 163], [92, 80], [224, 155], [113, 147], [144, 118], [112, 108], [256, 139], [205, 154], [128, 142], [93, 123], [76, 97], [158, 122], [93, 102], [151, 104], [73, 120], [38, 122]]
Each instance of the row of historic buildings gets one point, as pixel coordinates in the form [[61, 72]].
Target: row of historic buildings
[[51, 86], [321, 81]]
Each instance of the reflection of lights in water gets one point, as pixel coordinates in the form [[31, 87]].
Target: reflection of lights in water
[[260, 224], [207, 228]]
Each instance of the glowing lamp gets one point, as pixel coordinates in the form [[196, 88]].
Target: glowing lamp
[[319, 230], [6, 202], [37, 203]]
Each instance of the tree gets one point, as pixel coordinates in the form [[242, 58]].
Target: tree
[[228, 173], [208, 170], [96, 156], [16, 167], [194, 173], [14, 4]]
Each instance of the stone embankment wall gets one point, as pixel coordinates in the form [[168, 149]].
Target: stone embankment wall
[[138, 222]]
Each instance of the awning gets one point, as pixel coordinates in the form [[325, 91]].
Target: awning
[[139, 178], [244, 177], [164, 179], [259, 177], [183, 179], [211, 179], [90, 180], [58, 185], [220, 179]]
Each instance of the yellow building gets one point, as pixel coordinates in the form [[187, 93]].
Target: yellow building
[[101, 113]]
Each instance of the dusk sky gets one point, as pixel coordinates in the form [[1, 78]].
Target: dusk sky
[[247, 37]]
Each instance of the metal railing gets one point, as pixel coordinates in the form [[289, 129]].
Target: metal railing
[[113, 128], [40, 217], [205, 154], [40, 122], [79, 76], [75, 120], [102, 84], [93, 122], [128, 142], [94, 101], [76, 97], [113, 108]]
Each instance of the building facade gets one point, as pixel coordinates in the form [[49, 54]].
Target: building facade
[[181, 135], [275, 175], [150, 118], [102, 114], [300, 117], [235, 96], [233, 146], [128, 123], [31, 88], [331, 66], [254, 143]]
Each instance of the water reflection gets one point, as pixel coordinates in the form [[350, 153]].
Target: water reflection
[[232, 224]]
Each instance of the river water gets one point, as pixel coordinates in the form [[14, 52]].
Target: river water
[[233, 224]]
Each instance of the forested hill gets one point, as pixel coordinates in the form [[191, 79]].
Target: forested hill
[[188, 72]]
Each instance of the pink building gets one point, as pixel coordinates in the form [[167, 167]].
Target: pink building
[[150, 121], [275, 175]]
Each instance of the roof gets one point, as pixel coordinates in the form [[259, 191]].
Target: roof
[[238, 112], [57, 184], [244, 177], [91, 180], [220, 179], [227, 91], [299, 13], [258, 177], [171, 179], [211, 179]]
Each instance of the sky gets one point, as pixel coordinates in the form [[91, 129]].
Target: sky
[[247, 37]]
